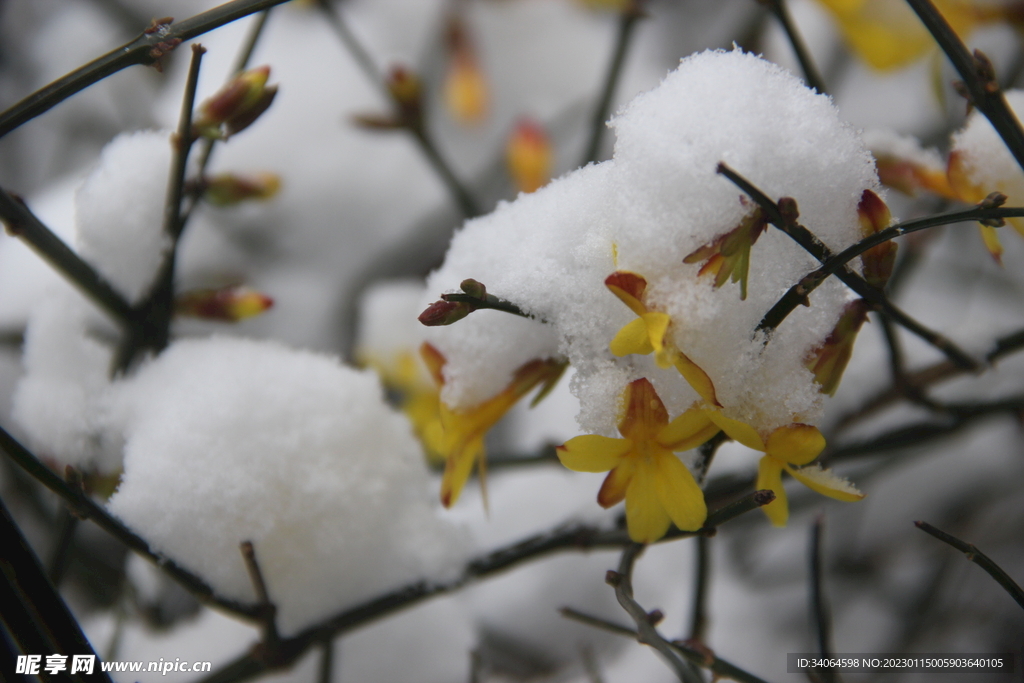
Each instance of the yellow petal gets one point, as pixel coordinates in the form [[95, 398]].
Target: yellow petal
[[646, 518], [1017, 224], [629, 288], [687, 431], [696, 377], [738, 431], [826, 482], [613, 490], [457, 469], [769, 476], [796, 443], [633, 338], [593, 453], [679, 494], [657, 326], [990, 237]]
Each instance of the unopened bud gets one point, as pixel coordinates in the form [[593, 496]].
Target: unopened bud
[[473, 288], [228, 304], [828, 361], [528, 155], [227, 189], [444, 313], [407, 93], [654, 617], [235, 106], [874, 217], [465, 88], [789, 210]]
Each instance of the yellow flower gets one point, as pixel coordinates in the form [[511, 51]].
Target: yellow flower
[[465, 86], [960, 171], [528, 156], [886, 34], [647, 334], [656, 485], [463, 430], [793, 444], [418, 392]]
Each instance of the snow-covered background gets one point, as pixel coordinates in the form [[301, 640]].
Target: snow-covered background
[[266, 430]]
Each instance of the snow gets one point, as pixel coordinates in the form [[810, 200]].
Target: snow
[[654, 203], [229, 440]]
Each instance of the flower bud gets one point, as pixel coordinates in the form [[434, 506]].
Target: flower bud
[[878, 260], [235, 106], [465, 88], [828, 361], [228, 189], [528, 155], [444, 313], [228, 304], [407, 94]]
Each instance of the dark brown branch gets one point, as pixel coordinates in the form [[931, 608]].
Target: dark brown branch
[[147, 49], [631, 14], [83, 506], [268, 611], [153, 317], [978, 78], [811, 75], [979, 558], [33, 610], [701, 578], [571, 537], [819, 604], [799, 292], [783, 216], [21, 222]]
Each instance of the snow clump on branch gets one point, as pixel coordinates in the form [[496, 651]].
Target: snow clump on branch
[[657, 202]]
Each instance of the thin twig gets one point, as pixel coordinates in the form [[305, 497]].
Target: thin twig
[[147, 49], [326, 661], [979, 78], [979, 558], [596, 622], [798, 293], [701, 577], [267, 608], [418, 129], [628, 19], [811, 74], [42, 611], [60, 557], [678, 654], [570, 537], [84, 507], [21, 222], [897, 366], [786, 222], [153, 319], [819, 604]]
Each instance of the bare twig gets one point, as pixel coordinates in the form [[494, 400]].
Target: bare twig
[[819, 603], [151, 330], [701, 577], [811, 74], [799, 292], [33, 610], [979, 558], [326, 673], [786, 222], [979, 78], [61, 555], [147, 49], [631, 14], [21, 222], [570, 537], [84, 507], [417, 128], [267, 608]]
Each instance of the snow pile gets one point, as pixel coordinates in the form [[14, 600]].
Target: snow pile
[[657, 201], [230, 440], [119, 211]]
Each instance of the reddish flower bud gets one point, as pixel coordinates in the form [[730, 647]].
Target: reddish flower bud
[[235, 106], [227, 189], [828, 361], [228, 304], [878, 260], [444, 313], [528, 156]]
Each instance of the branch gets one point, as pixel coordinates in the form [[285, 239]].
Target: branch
[[819, 604], [83, 506], [979, 558], [35, 614], [811, 75], [701, 576], [783, 216], [267, 609], [798, 293], [572, 536], [21, 222], [677, 654], [628, 19], [979, 78], [147, 49]]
